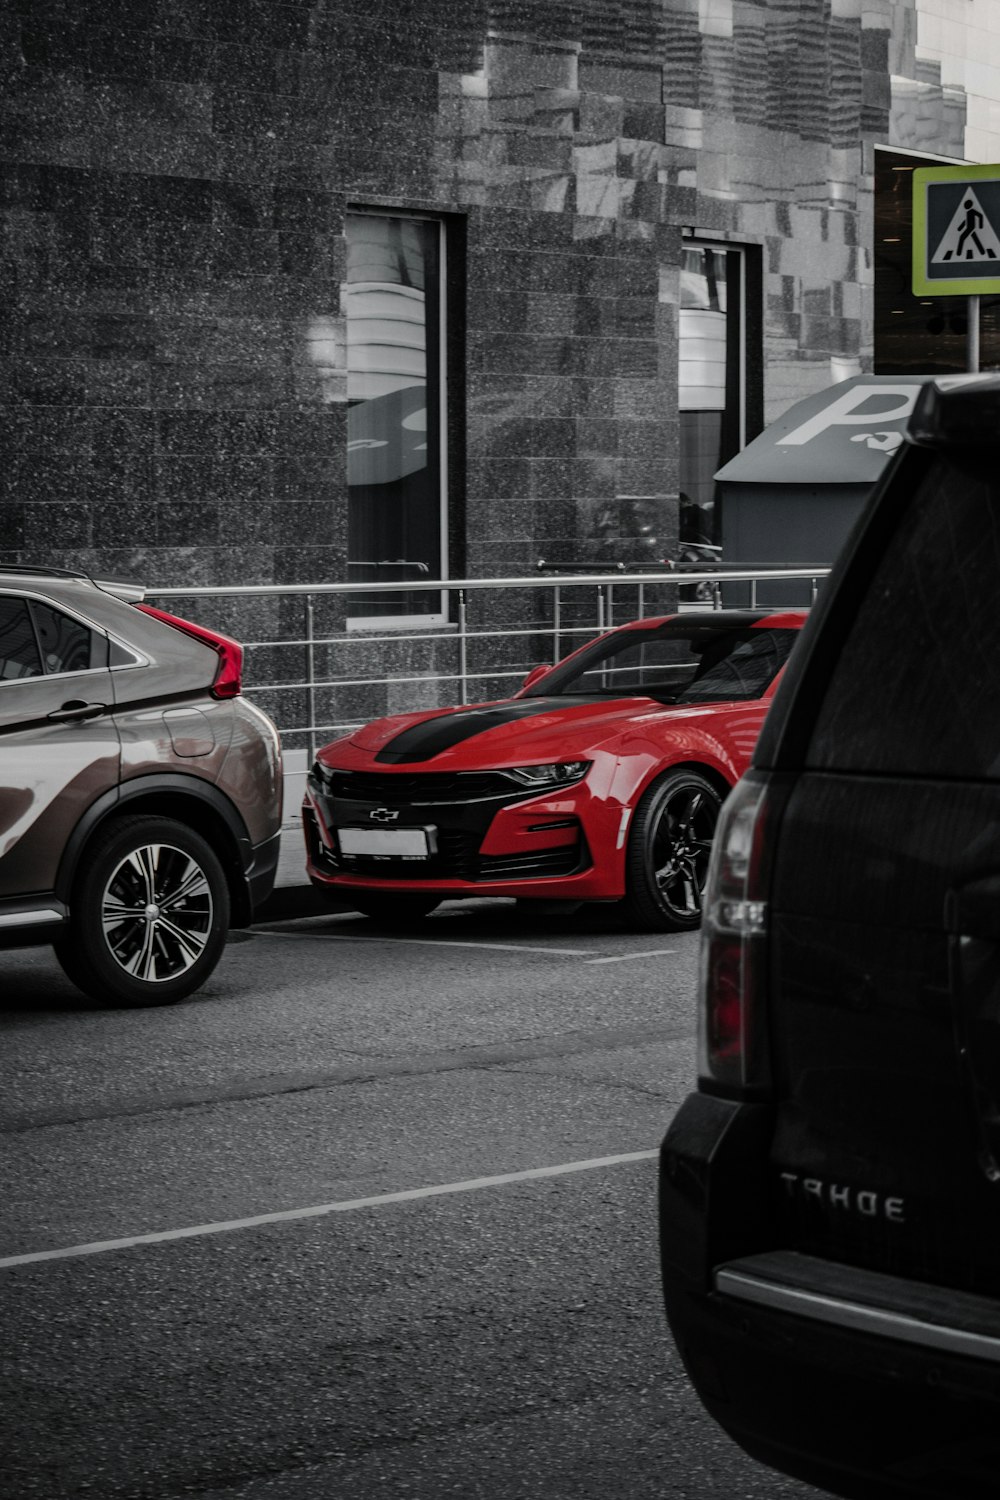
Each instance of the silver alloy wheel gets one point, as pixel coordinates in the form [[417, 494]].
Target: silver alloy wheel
[[157, 912]]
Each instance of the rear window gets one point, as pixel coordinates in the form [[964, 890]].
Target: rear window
[[916, 690]]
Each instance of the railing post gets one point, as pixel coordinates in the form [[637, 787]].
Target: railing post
[[463, 648], [814, 588], [642, 601], [600, 609], [311, 674], [753, 593], [556, 622], [611, 605]]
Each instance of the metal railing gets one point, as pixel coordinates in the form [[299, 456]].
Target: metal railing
[[318, 663]]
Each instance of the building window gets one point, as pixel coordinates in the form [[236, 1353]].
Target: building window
[[918, 335], [396, 459], [712, 380]]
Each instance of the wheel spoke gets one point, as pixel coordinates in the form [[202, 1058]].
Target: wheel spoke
[[144, 862], [191, 944], [191, 883], [114, 912], [142, 963]]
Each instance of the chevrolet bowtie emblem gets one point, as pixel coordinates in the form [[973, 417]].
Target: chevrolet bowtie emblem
[[384, 814]]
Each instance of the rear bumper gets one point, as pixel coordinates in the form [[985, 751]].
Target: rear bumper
[[865, 1384], [263, 870]]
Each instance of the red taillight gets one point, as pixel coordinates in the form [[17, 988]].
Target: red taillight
[[724, 1017], [732, 1050], [229, 677]]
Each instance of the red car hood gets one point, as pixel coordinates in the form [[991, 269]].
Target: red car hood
[[516, 731]]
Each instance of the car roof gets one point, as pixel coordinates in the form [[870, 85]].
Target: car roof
[[723, 619]]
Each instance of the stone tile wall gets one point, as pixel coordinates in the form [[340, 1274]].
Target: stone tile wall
[[174, 178]]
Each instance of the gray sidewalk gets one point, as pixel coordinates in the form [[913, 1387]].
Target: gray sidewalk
[[293, 896]]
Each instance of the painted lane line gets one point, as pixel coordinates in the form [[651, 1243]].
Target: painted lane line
[[289, 1215], [624, 958], [343, 937]]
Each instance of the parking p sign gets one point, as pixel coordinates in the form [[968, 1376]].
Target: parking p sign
[[956, 231]]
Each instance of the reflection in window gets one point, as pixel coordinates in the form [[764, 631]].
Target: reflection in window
[[65, 643], [917, 335], [709, 382], [395, 471], [18, 648]]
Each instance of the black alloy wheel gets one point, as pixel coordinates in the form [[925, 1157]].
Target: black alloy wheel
[[391, 909], [149, 916], [668, 852]]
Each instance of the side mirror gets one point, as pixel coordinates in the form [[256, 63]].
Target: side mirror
[[535, 675]]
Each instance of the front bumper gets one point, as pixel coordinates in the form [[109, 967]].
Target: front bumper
[[863, 1383], [487, 837]]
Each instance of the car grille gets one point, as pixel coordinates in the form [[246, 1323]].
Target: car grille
[[411, 790], [562, 861], [457, 858]]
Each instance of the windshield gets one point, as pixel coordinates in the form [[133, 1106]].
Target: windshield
[[674, 663]]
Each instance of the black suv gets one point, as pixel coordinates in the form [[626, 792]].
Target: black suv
[[830, 1197]]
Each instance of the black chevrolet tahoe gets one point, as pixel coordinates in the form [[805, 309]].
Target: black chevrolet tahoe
[[830, 1195]]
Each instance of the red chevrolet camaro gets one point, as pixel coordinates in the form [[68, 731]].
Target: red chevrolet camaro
[[601, 780]]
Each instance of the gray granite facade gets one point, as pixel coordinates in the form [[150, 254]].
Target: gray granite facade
[[174, 183]]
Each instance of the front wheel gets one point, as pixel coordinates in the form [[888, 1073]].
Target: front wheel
[[149, 916], [668, 852]]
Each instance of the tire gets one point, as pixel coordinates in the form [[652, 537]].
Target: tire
[[390, 910], [149, 915], [668, 851]]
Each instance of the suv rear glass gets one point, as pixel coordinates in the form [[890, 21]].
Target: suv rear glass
[[916, 688]]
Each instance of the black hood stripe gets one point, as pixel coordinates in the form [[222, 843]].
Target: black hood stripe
[[424, 741]]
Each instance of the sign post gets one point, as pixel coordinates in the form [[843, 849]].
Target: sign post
[[956, 238]]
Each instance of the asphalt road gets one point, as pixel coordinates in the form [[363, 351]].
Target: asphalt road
[[366, 1217]]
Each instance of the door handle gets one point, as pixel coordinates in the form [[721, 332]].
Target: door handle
[[75, 710]]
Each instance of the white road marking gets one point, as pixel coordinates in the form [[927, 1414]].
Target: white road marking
[[624, 958], [343, 937], [195, 1231]]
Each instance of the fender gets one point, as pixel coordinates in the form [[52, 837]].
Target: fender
[[700, 752], [117, 799]]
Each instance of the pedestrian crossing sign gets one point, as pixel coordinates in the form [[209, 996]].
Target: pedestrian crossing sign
[[956, 231]]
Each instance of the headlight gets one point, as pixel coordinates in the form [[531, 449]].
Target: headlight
[[558, 773]]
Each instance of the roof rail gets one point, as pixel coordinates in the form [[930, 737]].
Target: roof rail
[[24, 569]]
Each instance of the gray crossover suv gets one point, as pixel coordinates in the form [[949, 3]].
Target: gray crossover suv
[[140, 793]]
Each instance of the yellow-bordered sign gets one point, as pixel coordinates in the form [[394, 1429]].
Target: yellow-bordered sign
[[956, 231]]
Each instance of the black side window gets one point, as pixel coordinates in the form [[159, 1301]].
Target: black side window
[[37, 640], [916, 690], [744, 671], [18, 648], [67, 646]]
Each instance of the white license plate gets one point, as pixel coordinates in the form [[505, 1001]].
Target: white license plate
[[388, 843]]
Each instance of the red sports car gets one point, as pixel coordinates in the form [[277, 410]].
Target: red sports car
[[601, 780]]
